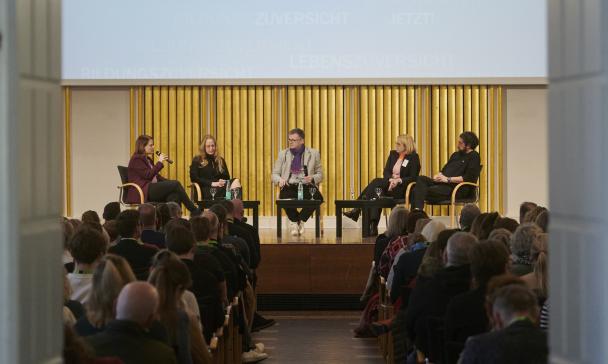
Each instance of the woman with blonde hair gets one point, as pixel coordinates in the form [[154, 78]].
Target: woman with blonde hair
[[402, 167], [537, 279], [209, 170]]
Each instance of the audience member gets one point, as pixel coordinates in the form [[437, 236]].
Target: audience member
[[487, 225], [467, 215], [125, 337], [397, 226], [138, 255], [399, 219], [533, 214], [72, 309], [477, 223], [87, 247], [542, 220], [163, 216], [432, 229], [238, 231], [502, 235], [506, 223], [515, 338], [227, 241], [90, 216], [537, 279], [67, 259], [112, 230], [148, 222], [175, 210], [77, 351], [524, 208], [521, 243], [111, 211]]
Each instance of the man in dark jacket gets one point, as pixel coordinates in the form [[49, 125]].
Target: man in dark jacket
[[516, 337], [126, 337], [147, 221]]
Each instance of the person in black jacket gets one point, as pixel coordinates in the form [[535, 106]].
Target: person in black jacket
[[516, 337], [402, 167], [209, 170], [464, 165], [148, 222]]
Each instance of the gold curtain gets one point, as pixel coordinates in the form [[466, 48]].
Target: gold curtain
[[353, 127]]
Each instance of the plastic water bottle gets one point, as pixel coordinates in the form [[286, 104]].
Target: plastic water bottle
[[228, 191], [300, 191]]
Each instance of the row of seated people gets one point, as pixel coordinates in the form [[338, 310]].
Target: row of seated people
[[461, 295], [193, 268]]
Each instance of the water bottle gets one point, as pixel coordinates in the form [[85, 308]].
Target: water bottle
[[228, 191], [300, 191]]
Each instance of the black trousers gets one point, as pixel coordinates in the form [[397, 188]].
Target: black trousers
[[170, 191], [428, 190], [291, 191], [369, 193]]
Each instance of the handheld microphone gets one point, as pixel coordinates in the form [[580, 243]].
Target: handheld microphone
[[170, 161]]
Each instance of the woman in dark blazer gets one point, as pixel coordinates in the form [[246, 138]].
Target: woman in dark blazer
[[402, 167], [143, 172], [209, 170]]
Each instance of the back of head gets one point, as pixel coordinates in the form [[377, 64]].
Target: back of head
[[109, 277], [458, 249], [220, 212], [514, 301], [443, 237], [524, 208], [420, 224], [111, 210], [87, 245], [432, 229], [67, 230], [477, 223], [523, 239], [503, 236], [179, 240], [177, 223], [533, 214], [137, 302], [539, 255], [229, 206], [175, 210], [412, 219], [75, 223], [487, 225], [397, 222], [201, 227], [506, 223], [488, 259], [496, 283], [90, 216], [163, 215], [112, 229], [147, 215], [238, 209], [467, 215], [542, 220], [214, 224], [127, 224]]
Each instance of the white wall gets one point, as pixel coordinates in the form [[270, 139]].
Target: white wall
[[526, 148], [100, 141]]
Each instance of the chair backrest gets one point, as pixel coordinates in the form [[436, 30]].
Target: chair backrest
[[124, 174]]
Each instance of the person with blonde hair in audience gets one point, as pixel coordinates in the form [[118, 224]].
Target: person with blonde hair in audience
[[171, 278], [432, 230], [537, 280], [503, 236], [126, 337], [533, 214], [521, 242], [87, 246], [209, 170], [398, 229]]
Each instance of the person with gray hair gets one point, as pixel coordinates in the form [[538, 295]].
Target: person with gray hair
[[135, 311], [521, 243], [175, 210], [516, 337], [432, 229], [432, 295], [467, 215]]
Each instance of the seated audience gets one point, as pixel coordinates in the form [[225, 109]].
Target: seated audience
[[163, 216], [77, 351], [111, 211], [466, 314], [533, 214], [227, 241], [398, 221], [503, 236], [431, 296], [515, 337], [138, 255], [399, 217], [506, 223], [524, 208], [148, 221], [112, 230], [125, 337], [72, 309], [432, 229], [542, 220], [171, 278], [67, 259], [241, 232], [87, 247], [175, 210], [467, 215], [537, 279], [90, 216], [521, 243], [487, 225]]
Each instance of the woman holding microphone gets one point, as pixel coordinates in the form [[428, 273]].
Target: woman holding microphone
[[209, 170], [143, 172]]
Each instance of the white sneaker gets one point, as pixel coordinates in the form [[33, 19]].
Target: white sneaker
[[253, 356], [294, 228], [301, 228]]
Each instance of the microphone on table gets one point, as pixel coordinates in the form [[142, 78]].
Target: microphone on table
[[170, 161]]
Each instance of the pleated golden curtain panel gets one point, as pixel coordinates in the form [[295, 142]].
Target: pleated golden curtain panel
[[353, 127]]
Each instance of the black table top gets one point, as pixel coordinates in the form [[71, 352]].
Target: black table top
[[379, 202], [246, 203], [295, 202]]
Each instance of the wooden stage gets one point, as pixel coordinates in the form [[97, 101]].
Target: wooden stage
[[307, 265]]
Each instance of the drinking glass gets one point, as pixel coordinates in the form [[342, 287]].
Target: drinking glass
[[312, 190], [378, 191], [213, 191]]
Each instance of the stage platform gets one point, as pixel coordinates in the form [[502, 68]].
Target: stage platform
[[313, 273]]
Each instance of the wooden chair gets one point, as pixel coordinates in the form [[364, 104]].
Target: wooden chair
[[123, 188], [385, 312], [453, 201]]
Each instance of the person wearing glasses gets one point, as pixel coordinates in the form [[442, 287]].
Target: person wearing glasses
[[298, 164], [210, 171], [464, 165], [402, 167]]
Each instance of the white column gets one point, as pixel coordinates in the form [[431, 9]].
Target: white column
[[578, 170], [30, 182]]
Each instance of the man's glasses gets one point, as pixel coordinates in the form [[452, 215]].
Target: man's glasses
[[293, 140]]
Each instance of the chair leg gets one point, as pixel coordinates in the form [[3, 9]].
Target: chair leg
[[453, 215]]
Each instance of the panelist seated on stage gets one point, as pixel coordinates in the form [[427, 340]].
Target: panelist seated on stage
[[402, 167], [298, 164], [143, 172], [209, 170], [464, 165]]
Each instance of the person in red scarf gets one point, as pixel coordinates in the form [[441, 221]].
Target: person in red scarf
[[402, 167]]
